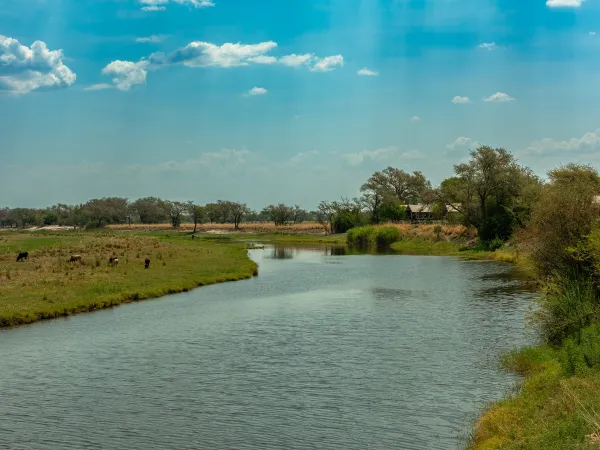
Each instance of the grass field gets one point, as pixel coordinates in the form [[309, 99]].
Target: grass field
[[49, 286]]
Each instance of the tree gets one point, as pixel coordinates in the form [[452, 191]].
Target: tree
[[233, 211], [196, 212], [175, 211], [278, 214], [213, 212], [100, 212], [396, 183], [490, 190], [298, 214], [150, 210], [567, 211]]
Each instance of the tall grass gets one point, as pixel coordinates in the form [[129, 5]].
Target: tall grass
[[373, 236]]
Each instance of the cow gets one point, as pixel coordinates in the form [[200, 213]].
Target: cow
[[23, 256], [147, 263], [75, 258], [113, 260]]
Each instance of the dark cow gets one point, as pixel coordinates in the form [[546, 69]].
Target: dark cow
[[23, 256], [75, 258], [113, 260], [147, 263]]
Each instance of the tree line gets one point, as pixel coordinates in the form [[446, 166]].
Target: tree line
[[491, 193]]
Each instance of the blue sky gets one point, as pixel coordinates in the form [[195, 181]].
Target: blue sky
[[284, 101]]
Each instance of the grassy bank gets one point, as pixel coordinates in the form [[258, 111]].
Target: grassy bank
[[49, 286], [556, 407]]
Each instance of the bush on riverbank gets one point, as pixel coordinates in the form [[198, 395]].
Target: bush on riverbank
[[373, 236]]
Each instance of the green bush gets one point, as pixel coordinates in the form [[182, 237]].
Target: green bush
[[569, 304], [373, 236]]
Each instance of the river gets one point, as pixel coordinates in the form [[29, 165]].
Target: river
[[321, 351]]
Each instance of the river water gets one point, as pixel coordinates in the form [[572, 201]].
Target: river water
[[320, 351]]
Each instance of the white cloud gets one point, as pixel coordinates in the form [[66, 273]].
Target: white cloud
[[161, 5], [499, 97], [463, 143], [458, 100], [263, 59], [589, 142], [294, 60], [564, 3], [24, 69], [385, 153], [258, 91], [205, 54], [488, 45], [303, 156], [328, 64], [98, 87], [415, 119], [155, 38], [367, 72], [592, 33], [127, 74]]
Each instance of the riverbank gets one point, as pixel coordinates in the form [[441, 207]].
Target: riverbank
[[48, 286]]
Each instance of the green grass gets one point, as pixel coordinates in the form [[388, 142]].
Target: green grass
[[48, 286], [552, 409], [281, 238], [370, 236]]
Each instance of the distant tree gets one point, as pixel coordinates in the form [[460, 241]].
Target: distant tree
[[107, 210], [175, 211], [298, 214], [196, 213], [150, 210], [213, 211], [5, 220], [398, 184], [23, 217], [278, 214], [233, 212]]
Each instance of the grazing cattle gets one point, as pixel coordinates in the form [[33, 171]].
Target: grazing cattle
[[113, 260], [23, 256], [147, 263], [75, 258]]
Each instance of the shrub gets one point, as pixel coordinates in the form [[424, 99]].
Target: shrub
[[569, 303], [373, 236]]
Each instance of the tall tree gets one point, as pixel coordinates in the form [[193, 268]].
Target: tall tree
[[150, 210], [175, 211], [196, 212]]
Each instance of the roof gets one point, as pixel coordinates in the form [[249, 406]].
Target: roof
[[419, 208]]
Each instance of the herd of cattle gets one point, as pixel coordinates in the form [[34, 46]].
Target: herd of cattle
[[113, 260]]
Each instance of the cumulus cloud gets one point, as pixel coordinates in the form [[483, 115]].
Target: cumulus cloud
[[462, 143], [127, 74], [458, 100], [258, 91], [161, 5], [205, 54], [499, 97], [24, 69], [367, 72], [488, 45], [380, 154], [98, 87], [294, 60], [328, 64], [154, 39], [588, 143], [564, 3]]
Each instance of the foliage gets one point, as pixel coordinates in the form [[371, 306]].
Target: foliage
[[233, 212], [373, 236], [196, 213], [101, 211], [175, 211], [150, 210], [562, 218]]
